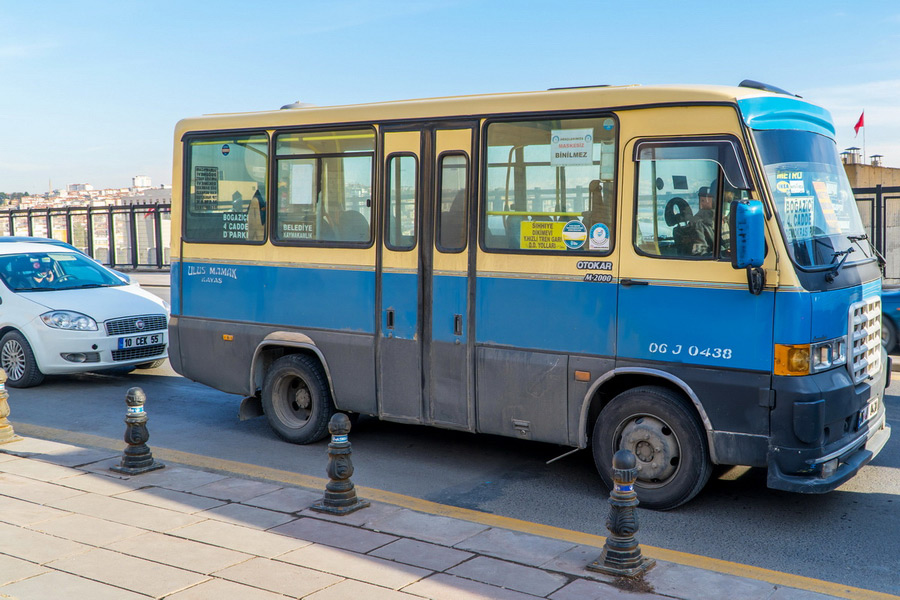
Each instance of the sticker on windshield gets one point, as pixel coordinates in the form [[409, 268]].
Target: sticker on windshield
[[798, 216], [574, 235], [790, 182], [826, 205], [599, 237]]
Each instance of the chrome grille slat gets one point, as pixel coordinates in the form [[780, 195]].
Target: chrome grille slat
[[126, 325]]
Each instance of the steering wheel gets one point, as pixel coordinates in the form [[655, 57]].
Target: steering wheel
[[678, 211]]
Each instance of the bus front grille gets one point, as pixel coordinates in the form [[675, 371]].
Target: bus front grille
[[864, 360]]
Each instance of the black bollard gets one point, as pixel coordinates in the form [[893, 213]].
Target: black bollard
[[621, 554], [137, 457], [340, 494]]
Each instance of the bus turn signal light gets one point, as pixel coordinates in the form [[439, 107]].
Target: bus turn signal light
[[791, 360]]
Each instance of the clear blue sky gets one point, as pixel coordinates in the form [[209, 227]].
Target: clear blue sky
[[91, 90]]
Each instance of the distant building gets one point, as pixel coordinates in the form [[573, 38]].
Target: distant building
[[867, 175], [139, 182], [79, 187], [160, 195]]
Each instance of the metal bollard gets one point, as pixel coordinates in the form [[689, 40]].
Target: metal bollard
[[340, 494], [621, 554], [137, 457], [7, 434]]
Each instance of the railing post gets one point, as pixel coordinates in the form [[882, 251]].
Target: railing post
[[133, 236], [879, 219], [157, 228], [111, 226]]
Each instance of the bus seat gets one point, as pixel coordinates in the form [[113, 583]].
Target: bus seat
[[353, 227], [514, 230]]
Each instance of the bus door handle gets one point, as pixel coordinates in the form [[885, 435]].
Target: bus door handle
[[457, 324], [628, 281], [390, 318]]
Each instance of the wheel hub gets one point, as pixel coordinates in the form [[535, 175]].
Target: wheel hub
[[655, 446]]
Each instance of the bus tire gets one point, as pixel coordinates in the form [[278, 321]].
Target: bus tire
[[17, 359], [296, 399], [667, 440], [888, 334]]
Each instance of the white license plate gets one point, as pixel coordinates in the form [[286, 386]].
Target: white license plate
[[869, 411], [136, 341]]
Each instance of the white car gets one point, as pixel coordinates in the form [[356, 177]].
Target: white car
[[61, 312]]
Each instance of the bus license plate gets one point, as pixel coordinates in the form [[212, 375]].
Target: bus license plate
[[867, 413], [136, 341]]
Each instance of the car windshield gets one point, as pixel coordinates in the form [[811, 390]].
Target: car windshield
[[49, 271], [813, 198]]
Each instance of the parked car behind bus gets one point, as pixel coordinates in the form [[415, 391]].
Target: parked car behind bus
[[890, 319], [63, 312]]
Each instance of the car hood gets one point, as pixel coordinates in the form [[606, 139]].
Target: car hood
[[101, 304]]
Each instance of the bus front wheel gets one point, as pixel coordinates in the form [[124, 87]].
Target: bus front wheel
[[665, 437], [296, 399]]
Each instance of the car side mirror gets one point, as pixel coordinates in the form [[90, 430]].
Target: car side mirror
[[747, 222]]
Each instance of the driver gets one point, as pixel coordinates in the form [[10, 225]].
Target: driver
[[43, 273], [702, 224]]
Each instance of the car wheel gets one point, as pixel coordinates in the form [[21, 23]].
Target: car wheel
[[665, 437], [296, 399], [17, 359], [888, 334]]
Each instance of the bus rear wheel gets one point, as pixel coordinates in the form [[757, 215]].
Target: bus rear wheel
[[665, 437], [296, 399]]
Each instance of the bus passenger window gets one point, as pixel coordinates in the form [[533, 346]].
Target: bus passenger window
[[324, 186], [551, 185], [400, 213], [225, 197], [451, 227]]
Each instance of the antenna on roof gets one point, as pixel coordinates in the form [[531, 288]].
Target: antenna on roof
[[756, 85], [297, 104]]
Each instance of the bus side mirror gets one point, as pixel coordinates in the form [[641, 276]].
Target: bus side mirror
[[747, 224]]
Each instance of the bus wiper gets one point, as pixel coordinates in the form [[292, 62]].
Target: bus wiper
[[830, 275], [856, 239]]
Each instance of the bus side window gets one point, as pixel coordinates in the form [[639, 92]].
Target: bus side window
[[451, 226]]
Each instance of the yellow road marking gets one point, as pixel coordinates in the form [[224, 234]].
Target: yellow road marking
[[576, 537]]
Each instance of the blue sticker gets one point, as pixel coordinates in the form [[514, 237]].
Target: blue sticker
[[599, 237], [608, 124], [574, 235], [226, 149]]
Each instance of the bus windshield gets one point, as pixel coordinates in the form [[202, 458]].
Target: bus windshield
[[813, 198]]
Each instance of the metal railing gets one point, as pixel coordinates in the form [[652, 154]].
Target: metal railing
[[879, 208], [118, 236]]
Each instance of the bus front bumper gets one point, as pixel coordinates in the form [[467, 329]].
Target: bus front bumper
[[825, 473]]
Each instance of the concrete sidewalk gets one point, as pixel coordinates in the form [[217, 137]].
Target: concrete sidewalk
[[69, 527]]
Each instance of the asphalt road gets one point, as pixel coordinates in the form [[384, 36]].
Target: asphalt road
[[849, 536]]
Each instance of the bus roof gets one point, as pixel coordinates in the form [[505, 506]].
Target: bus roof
[[456, 107]]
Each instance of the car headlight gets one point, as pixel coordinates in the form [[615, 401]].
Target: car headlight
[[65, 319]]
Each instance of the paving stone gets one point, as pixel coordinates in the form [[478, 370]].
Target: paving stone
[[135, 574], [248, 516], [429, 528], [35, 546], [54, 585], [291, 580], [448, 587], [422, 554], [58, 453], [235, 489], [787, 593], [19, 512], [100, 483], [358, 590], [697, 584], [36, 469], [15, 569], [582, 589], [216, 589], [365, 517], [171, 477], [575, 562], [33, 490], [171, 499], [289, 500], [87, 530], [519, 547], [510, 575], [125, 512], [179, 552], [243, 539], [333, 534], [374, 570]]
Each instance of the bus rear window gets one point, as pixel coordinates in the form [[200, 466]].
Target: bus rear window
[[225, 200]]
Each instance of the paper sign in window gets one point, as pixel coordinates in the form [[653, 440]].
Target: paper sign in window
[[302, 183]]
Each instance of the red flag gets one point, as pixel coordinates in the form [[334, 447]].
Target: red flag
[[860, 123]]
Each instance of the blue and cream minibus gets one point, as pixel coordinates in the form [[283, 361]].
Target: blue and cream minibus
[[676, 270]]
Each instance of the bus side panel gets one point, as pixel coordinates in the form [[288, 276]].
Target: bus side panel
[[332, 298], [400, 348], [449, 367]]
